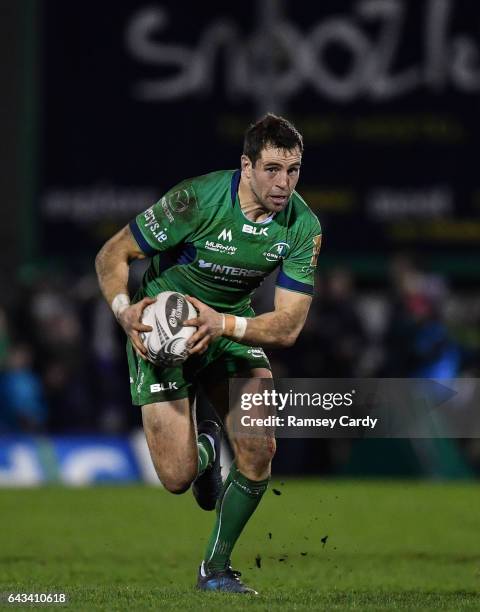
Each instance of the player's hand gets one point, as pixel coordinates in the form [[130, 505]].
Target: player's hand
[[209, 323], [129, 319]]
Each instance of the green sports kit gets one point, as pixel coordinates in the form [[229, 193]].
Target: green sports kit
[[201, 244]]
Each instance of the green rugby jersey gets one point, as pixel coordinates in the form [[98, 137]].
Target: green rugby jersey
[[201, 244]]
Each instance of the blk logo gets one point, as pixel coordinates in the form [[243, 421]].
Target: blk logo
[[225, 235], [168, 386], [255, 231]]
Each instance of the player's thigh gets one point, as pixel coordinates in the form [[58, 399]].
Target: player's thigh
[[217, 390], [171, 437], [231, 360]]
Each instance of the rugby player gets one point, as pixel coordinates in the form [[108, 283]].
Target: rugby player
[[215, 238]]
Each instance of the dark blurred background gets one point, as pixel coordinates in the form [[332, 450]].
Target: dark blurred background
[[106, 105]]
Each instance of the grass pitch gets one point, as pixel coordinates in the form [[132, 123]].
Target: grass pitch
[[408, 546]]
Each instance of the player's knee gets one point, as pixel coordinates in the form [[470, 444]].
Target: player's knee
[[177, 487], [256, 453], [262, 446], [176, 481], [268, 450]]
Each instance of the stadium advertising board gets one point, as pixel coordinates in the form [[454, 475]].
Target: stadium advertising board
[[70, 460], [384, 93]]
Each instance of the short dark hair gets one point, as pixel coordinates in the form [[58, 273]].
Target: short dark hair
[[271, 130]]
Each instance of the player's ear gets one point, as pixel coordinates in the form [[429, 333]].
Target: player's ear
[[246, 165]]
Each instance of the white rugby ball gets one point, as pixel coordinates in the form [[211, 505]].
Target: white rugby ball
[[166, 343]]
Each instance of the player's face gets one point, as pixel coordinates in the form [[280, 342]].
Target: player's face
[[274, 176]]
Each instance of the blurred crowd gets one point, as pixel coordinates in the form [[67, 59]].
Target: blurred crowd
[[63, 365], [416, 327]]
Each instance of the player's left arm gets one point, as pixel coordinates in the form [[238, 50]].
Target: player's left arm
[[293, 296], [279, 328]]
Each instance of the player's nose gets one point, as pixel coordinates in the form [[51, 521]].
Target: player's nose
[[282, 180]]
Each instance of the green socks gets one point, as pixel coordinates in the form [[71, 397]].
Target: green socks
[[206, 453], [239, 498]]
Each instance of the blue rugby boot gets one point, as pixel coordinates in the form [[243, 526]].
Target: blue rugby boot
[[224, 581]]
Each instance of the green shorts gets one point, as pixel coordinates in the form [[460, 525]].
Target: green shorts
[[223, 359]]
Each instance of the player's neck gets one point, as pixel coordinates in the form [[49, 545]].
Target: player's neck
[[251, 208]]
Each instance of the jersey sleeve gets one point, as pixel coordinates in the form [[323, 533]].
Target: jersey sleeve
[[169, 222], [297, 271]]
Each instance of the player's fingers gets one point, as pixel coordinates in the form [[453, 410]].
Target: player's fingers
[[141, 327], [195, 302], [146, 302], [192, 323], [138, 345], [197, 336], [201, 346], [139, 354]]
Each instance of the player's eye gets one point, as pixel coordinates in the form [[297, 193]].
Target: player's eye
[[272, 170], [294, 171]]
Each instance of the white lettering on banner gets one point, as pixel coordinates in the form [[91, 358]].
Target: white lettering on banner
[[448, 59], [83, 465], [386, 203], [22, 466], [98, 203]]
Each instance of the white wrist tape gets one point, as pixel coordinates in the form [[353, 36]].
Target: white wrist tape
[[240, 328], [119, 303]]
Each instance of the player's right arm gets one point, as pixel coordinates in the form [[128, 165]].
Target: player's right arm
[[164, 225], [112, 265]]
